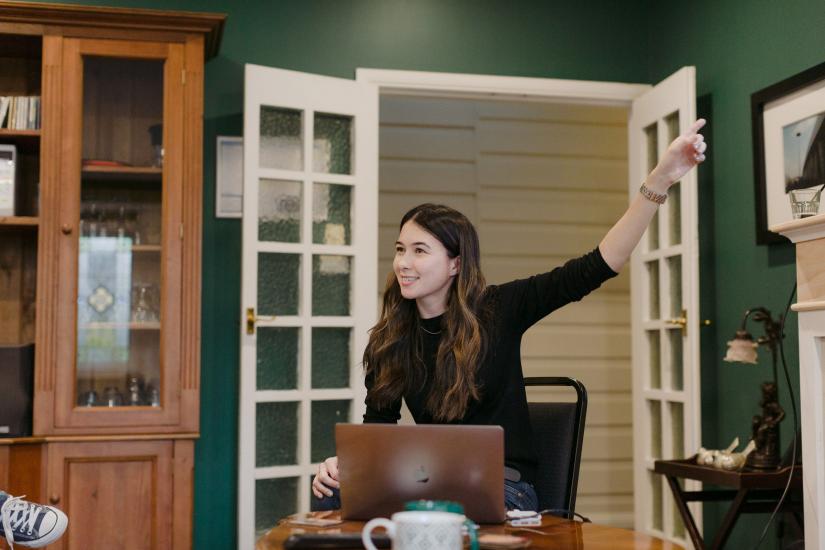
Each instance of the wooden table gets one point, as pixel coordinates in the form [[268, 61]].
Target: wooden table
[[752, 491], [554, 533]]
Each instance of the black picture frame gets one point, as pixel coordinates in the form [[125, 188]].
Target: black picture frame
[[808, 78]]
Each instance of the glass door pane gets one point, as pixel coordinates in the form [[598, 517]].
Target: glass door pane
[[119, 282]]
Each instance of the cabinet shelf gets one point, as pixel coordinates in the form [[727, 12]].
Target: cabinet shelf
[[146, 248], [130, 173], [31, 134], [113, 326], [25, 140], [19, 221]]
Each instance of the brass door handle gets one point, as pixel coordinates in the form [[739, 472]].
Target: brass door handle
[[681, 322], [251, 319]]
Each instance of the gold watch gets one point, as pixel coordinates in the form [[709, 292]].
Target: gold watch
[[653, 196]]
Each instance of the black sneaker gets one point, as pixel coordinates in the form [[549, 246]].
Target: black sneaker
[[29, 524]]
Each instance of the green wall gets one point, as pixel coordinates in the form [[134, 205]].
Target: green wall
[[334, 37], [737, 47]]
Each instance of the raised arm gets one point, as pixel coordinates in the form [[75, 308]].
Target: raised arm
[[684, 153]]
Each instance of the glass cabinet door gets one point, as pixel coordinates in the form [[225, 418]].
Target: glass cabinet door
[[124, 260], [119, 254]]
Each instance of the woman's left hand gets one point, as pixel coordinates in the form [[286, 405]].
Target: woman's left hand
[[684, 153]]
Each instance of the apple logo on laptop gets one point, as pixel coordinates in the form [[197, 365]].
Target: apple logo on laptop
[[421, 475]]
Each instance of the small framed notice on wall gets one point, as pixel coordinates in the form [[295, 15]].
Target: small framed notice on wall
[[229, 177]]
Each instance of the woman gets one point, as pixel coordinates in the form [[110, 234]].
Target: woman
[[449, 345]]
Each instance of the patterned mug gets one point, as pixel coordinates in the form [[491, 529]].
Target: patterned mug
[[427, 530]]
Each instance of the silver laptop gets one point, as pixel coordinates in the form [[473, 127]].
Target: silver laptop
[[382, 466]]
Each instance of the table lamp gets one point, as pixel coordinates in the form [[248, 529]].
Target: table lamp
[[743, 349]]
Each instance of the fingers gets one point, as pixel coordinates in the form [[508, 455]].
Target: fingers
[[332, 468], [696, 126], [326, 477], [699, 147]]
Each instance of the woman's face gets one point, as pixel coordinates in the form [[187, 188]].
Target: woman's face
[[423, 269]]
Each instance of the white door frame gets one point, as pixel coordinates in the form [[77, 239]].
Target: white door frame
[[518, 88]]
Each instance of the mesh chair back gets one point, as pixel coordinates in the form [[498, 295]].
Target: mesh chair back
[[558, 431]]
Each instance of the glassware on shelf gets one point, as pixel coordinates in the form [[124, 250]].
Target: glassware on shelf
[[121, 222], [156, 137], [154, 395], [112, 397], [92, 217], [144, 310], [131, 225], [135, 385], [87, 399]]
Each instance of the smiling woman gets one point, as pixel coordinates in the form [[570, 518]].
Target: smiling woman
[[424, 269]]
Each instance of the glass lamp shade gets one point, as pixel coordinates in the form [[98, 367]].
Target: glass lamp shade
[[742, 349]]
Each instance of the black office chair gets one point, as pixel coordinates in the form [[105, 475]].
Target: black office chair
[[558, 430]]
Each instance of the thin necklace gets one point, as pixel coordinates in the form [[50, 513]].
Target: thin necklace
[[428, 331]]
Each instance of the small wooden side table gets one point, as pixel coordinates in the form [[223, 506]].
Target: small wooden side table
[[753, 491]]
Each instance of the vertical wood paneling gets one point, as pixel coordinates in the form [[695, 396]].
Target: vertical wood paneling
[[48, 234], [542, 183]]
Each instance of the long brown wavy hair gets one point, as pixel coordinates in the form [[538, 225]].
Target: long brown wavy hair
[[394, 354]]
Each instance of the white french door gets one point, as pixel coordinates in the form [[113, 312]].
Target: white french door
[[310, 261], [308, 283], [665, 310]]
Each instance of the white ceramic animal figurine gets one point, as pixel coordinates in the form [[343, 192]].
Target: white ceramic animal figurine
[[734, 461], [706, 457]]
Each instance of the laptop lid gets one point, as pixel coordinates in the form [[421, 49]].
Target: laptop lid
[[382, 466]]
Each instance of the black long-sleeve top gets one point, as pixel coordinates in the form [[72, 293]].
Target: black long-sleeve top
[[516, 306]]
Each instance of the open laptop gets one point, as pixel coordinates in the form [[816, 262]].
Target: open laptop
[[382, 466]]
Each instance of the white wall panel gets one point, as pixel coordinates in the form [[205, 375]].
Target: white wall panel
[[542, 183]]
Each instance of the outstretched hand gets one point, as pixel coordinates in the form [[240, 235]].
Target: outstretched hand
[[684, 153]]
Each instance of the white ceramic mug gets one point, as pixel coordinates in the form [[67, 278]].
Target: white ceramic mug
[[419, 531]]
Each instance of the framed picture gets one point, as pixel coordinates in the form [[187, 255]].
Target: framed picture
[[229, 177], [788, 146]]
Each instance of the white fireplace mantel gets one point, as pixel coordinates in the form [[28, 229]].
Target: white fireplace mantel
[[809, 236]]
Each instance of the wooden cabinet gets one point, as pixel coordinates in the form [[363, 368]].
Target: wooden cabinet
[[122, 494], [101, 258]]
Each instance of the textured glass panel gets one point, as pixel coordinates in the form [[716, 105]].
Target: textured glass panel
[[652, 142], [325, 414], [278, 276], [657, 514], [276, 434], [655, 411], [674, 200], [330, 357], [331, 208], [274, 500], [653, 341], [677, 377], [279, 210], [331, 284], [672, 123], [277, 358], [333, 144], [677, 420], [653, 282], [674, 266], [281, 139]]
